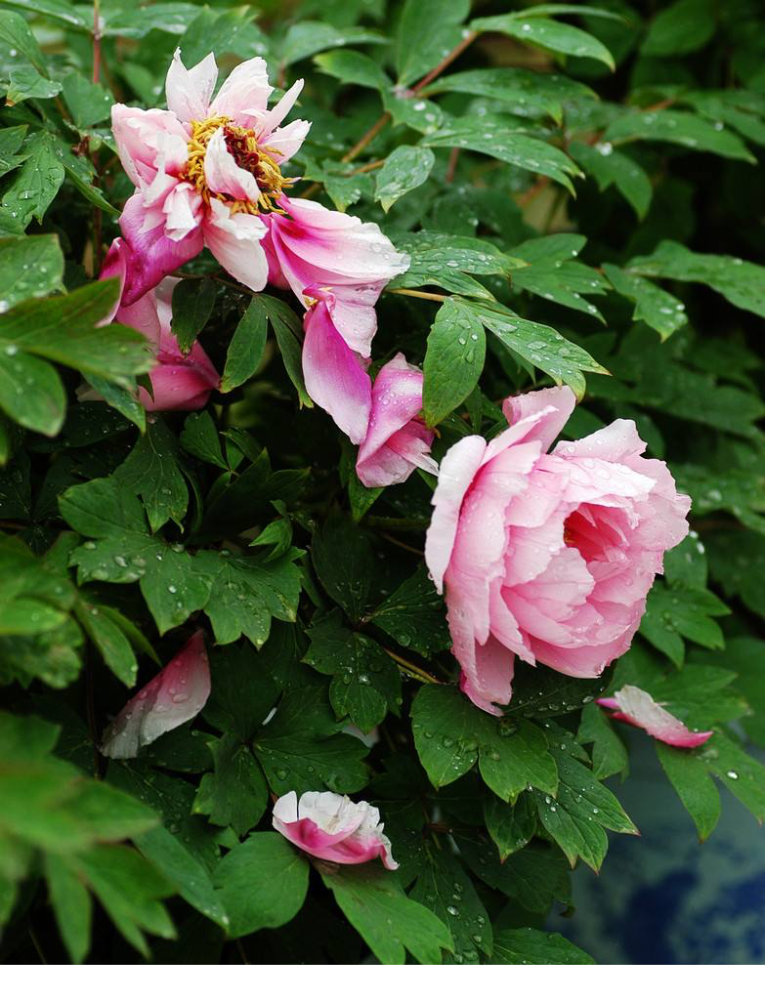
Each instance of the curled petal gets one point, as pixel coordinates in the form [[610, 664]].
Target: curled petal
[[273, 118], [633, 705], [189, 90], [139, 135], [283, 143], [224, 176], [558, 405], [177, 693], [234, 241]]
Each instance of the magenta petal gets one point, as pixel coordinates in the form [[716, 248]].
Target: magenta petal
[[177, 693], [180, 382], [334, 376], [152, 254], [638, 708]]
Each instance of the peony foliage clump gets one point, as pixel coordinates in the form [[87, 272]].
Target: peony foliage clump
[[380, 465]]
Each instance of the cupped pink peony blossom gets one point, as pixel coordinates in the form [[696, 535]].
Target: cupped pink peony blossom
[[548, 556], [204, 170], [633, 705], [333, 828], [178, 381], [397, 440], [177, 693]]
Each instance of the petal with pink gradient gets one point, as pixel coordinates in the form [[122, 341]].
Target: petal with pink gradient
[[224, 176], [245, 92], [234, 241], [633, 705], [177, 694], [178, 381], [139, 135], [335, 377], [396, 442], [333, 828], [152, 255], [283, 143], [272, 119], [183, 212], [561, 401], [189, 91]]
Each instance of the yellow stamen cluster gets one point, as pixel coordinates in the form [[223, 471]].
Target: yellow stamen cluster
[[248, 154]]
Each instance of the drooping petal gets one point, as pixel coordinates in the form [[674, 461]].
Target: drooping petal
[[395, 441], [152, 254], [632, 704], [189, 91], [335, 377], [558, 403], [177, 693], [178, 381], [234, 241], [245, 92], [224, 176]]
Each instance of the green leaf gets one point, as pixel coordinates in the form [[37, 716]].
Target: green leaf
[[453, 361], [676, 612], [261, 883], [582, 809], [493, 136], [684, 26], [199, 438], [608, 166], [553, 275], [90, 103], [353, 67], [110, 641], [342, 558], [414, 615], [741, 283], [30, 267], [193, 303], [445, 889], [11, 140], [26, 83], [681, 128], [365, 682], [542, 346], [511, 827], [427, 30], [72, 906], [308, 37], [450, 267], [245, 352], [31, 393], [37, 183], [528, 94], [235, 794], [609, 754], [535, 876], [15, 32], [553, 36], [660, 310], [242, 692], [390, 923], [691, 781], [740, 773], [300, 752], [151, 471], [287, 331], [450, 735], [529, 946], [405, 169]]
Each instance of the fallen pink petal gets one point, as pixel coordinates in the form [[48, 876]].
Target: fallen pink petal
[[633, 705]]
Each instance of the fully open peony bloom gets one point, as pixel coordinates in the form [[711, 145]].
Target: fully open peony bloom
[[178, 381], [632, 704], [548, 556], [177, 693], [397, 440], [333, 828]]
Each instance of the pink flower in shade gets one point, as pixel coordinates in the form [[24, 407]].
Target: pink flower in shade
[[548, 556], [204, 171], [397, 440], [637, 707], [178, 381], [333, 828], [178, 693]]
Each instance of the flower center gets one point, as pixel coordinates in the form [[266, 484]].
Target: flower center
[[243, 145]]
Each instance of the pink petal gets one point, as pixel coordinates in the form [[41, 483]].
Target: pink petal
[[637, 707], [558, 404], [283, 143], [177, 693], [395, 441], [245, 92], [139, 134], [273, 118], [335, 377], [152, 255], [180, 382], [234, 241], [458, 467], [224, 176], [183, 212], [189, 90]]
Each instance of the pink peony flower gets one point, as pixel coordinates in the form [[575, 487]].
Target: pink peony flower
[[548, 556], [177, 693], [333, 828], [635, 706], [397, 440], [178, 381]]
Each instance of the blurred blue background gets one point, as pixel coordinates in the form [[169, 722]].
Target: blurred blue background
[[663, 898]]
